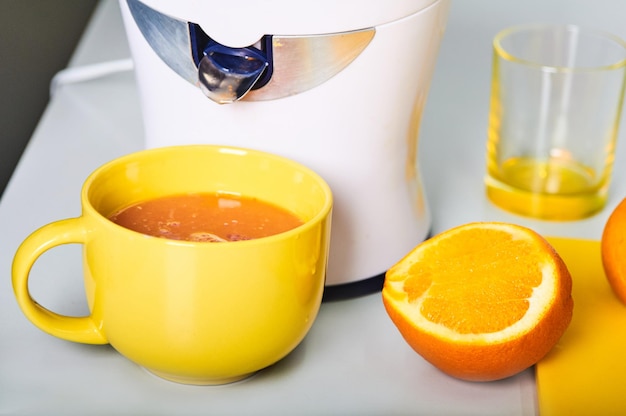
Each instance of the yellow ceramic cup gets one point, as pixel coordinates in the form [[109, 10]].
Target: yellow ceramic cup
[[191, 312]]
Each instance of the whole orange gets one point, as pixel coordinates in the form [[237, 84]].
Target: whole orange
[[482, 301], [613, 250]]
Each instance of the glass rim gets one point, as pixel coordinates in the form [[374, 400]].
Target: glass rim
[[502, 52]]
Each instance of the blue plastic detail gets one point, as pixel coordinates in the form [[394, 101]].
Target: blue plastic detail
[[245, 61], [249, 60]]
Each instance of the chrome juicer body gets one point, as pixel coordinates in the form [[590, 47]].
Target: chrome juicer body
[[338, 85]]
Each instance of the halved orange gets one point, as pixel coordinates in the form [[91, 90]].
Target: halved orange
[[482, 301], [613, 250]]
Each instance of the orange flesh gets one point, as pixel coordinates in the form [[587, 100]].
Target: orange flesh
[[475, 268]]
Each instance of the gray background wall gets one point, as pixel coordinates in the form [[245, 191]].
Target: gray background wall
[[37, 39]]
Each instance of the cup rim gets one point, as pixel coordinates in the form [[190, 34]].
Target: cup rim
[[323, 212], [501, 51]]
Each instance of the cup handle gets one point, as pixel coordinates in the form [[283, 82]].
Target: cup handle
[[82, 329]]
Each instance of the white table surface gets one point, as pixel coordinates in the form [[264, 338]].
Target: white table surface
[[353, 361]]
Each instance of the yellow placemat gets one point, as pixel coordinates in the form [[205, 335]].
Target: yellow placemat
[[585, 373]]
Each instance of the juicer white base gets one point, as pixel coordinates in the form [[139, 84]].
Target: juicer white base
[[358, 130]]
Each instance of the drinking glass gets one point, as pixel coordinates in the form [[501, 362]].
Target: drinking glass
[[556, 101]]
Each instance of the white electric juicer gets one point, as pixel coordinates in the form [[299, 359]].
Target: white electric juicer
[[337, 85]]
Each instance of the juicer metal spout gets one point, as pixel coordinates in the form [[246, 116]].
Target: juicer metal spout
[[227, 74], [275, 67]]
